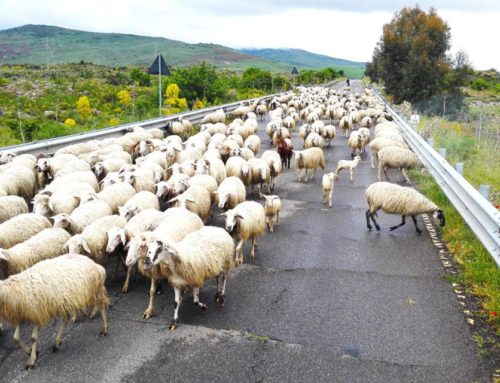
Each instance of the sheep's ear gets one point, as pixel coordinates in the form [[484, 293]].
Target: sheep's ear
[[85, 246], [175, 199], [46, 192], [238, 216], [65, 248], [223, 214], [123, 236], [177, 149], [4, 256], [190, 200]]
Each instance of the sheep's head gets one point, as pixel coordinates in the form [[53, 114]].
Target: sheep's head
[[99, 170], [62, 220], [77, 245], [42, 165], [87, 197], [439, 215], [41, 203], [202, 166], [136, 249], [270, 200], [116, 236], [6, 157], [4, 262], [161, 251], [232, 221], [235, 152], [128, 212], [162, 190], [223, 200]]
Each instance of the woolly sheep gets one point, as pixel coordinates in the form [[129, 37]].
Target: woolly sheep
[[10, 206], [366, 122], [74, 166], [272, 207], [175, 185], [213, 167], [58, 287], [214, 117], [253, 143], [348, 164], [78, 176], [175, 225], [207, 181], [238, 167], [94, 238], [261, 111], [46, 244], [401, 200], [377, 144], [246, 221], [328, 184], [140, 201], [244, 153], [314, 140], [64, 200], [18, 180], [230, 193], [328, 132], [197, 199], [261, 174], [82, 216], [142, 179], [356, 143], [102, 168], [345, 124], [273, 160], [309, 159], [392, 157], [177, 128], [203, 254], [52, 165], [280, 133], [116, 195], [20, 228]]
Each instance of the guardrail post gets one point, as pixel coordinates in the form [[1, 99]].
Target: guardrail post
[[485, 191], [459, 167], [430, 141], [442, 152]]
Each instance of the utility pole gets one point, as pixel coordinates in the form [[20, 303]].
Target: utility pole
[[47, 52]]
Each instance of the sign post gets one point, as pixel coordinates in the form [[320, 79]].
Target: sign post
[[295, 72], [158, 67]]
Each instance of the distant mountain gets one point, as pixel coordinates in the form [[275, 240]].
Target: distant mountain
[[39, 44], [302, 59]]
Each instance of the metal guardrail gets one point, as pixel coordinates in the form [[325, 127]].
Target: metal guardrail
[[49, 146], [481, 216]]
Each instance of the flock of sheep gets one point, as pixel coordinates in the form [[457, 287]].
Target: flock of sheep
[[144, 200]]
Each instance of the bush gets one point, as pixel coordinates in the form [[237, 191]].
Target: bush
[[479, 84], [69, 123]]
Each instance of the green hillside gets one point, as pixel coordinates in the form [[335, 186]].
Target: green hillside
[[42, 44], [307, 60]]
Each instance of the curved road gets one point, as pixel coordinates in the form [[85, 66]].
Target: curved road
[[324, 300]]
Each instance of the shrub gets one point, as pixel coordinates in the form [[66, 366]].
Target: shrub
[[69, 123]]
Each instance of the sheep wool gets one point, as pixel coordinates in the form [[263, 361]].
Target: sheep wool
[[10, 206], [20, 228]]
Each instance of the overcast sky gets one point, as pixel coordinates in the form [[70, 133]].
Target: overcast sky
[[346, 29]]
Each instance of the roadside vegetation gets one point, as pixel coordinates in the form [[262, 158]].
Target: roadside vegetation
[[37, 102]]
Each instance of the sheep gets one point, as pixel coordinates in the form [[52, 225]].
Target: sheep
[[272, 207], [48, 243], [365, 134], [356, 143], [328, 184], [209, 182], [214, 117], [51, 166], [273, 160], [395, 157], [379, 143], [191, 154], [271, 127], [78, 176], [187, 167], [18, 180], [175, 185], [175, 225], [74, 166], [140, 201], [253, 143], [261, 111], [10, 206], [244, 153], [261, 174], [197, 199], [203, 254], [142, 179], [345, 124], [102, 168], [284, 147], [158, 170], [314, 140], [366, 122], [94, 238], [401, 200], [20, 228], [82, 216], [230, 193], [177, 128], [306, 159], [213, 167], [348, 164], [58, 287], [246, 221], [280, 133], [252, 127], [11, 158], [328, 132], [238, 167], [64, 200], [289, 123], [115, 195]]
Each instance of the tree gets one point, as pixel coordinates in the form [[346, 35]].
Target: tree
[[83, 107], [410, 58], [256, 78]]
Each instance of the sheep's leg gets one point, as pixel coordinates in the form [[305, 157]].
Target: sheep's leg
[[94, 312], [104, 321], [127, 280], [32, 358], [196, 299], [385, 172], [277, 217], [405, 175], [148, 313], [379, 171], [314, 173], [59, 335], [414, 218], [254, 244], [239, 253], [372, 216], [330, 198], [177, 293], [17, 338], [219, 296], [325, 193], [403, 221], [350, 174], [372, 158]]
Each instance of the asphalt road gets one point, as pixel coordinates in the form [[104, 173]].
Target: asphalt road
[[323, 301]]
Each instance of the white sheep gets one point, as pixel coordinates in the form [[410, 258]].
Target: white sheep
[[244, 153], [345, 124], [78, 176], [203, 254], [115, 195], [18, 180], [55, 288], [246, 221], [328, 133], [20, 228], [175, 225], [213, 167], [401, 200], [272, 208], [273, 160], [230, 193], [64, 200], [197, 199], [207, 181], [46, 244], [238, 167], [175, 185], [393, 157], [261, 174], [140, 201], [142, 179], [102, 168], [253, 143], [94, 238], [379, 143], [309, 159], [348, 164], [82, 216], [10, 206], [356, 143], [328, 184], [314, 139]]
